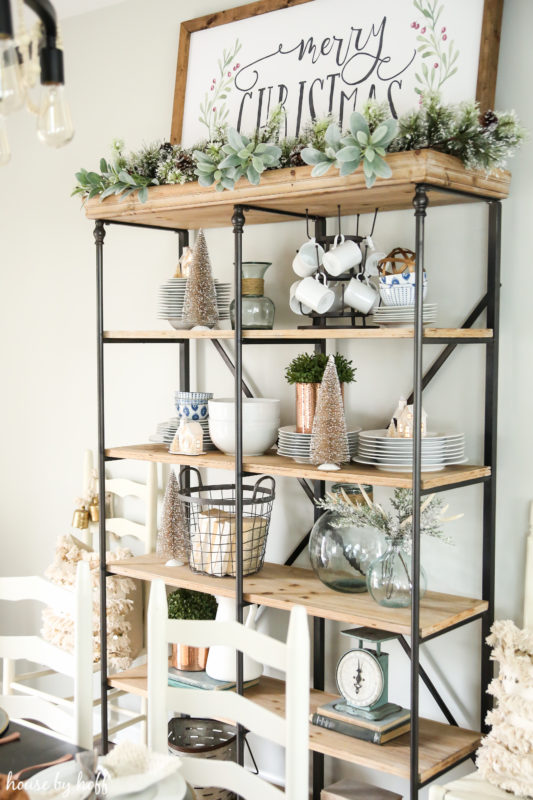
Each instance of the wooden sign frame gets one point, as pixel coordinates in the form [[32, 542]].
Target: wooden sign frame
[[487, 63]]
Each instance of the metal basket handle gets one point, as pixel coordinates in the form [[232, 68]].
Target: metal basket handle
[[188, 470], [260, 481]]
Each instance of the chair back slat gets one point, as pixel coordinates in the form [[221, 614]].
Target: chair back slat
[[229, 634], [228, 775], [34, 708], [228, 705], [33, 587]]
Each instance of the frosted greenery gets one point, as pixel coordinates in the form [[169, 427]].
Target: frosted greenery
[[480, 141], [396, 524]]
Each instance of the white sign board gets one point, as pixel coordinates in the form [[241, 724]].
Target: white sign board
[[329, 57]]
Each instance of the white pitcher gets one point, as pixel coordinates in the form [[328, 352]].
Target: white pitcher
[[221, 661]]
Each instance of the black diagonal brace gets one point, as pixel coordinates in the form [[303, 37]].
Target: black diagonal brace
[[446, 353]]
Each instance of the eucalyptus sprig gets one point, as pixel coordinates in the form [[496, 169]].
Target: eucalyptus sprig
[[397, 526]]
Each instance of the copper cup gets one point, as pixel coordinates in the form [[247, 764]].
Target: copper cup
[[306, 401], [189, 659], [306, 397]]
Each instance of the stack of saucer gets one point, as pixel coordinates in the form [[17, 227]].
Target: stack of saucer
[[439, 450], [297, 445], [172, 294], [403, 316], [166, 430]]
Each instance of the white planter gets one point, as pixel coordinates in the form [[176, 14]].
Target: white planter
[[222, 661]]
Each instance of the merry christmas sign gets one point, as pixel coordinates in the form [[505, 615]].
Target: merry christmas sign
[[322, 57]]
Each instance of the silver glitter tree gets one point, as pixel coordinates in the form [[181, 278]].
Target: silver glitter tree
[[329, 441], [173, 535], [200, 302]]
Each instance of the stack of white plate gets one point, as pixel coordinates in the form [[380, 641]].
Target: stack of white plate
[[172, 294], [297, 445], [438, 451], [403, 316], [166, 430]]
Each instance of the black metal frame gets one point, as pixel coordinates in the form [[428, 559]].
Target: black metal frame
[[490, 303]]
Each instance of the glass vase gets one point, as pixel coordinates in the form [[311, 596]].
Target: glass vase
[[389, 578], [257, 310], [341, 557]]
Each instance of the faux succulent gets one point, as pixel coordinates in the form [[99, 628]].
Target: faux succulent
[[324, 159], [242, 157], [358, 146]]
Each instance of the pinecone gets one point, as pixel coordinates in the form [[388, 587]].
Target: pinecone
[[185, 162], [489, 119], [295, 157], [166, 147]]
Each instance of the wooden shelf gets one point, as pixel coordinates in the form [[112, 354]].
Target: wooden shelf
[[192, 206], [286, 467], [307, 333], [440, 745], [282, 587]]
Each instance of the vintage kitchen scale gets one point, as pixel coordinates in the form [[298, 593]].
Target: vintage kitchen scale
[[362, 679]]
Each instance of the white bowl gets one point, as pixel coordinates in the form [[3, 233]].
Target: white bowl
[[260, 423], [254, 409]]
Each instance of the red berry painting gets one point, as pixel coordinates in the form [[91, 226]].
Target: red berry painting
[[213, 109], [434, 47]]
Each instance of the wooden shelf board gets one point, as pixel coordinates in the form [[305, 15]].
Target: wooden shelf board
[[286, 467], [282, 587], [440, 747], [317, 333], [192, 206]]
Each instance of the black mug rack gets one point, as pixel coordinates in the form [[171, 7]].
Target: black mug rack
[[354, 319]]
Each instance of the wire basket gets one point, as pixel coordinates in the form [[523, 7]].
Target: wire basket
[[212, 527]]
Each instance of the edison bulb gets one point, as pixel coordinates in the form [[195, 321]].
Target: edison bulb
[[54, 125], [11, 86], [5, 152]]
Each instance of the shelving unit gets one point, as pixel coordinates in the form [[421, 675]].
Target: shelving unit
[[438, 743], [419, 178]]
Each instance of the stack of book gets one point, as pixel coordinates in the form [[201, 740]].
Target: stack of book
[[375, 731], [201, 680]]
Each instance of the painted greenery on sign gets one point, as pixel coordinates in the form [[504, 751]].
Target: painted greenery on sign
[[438, 51]]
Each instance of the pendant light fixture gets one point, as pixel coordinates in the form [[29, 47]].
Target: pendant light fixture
[[54, 122]]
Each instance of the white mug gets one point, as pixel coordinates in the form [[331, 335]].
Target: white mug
[[360, 295], [338, 303], [313, 293], [305, 261], [342, 257], [295, 305]]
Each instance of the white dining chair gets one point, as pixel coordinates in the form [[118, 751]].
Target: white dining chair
[[117, 527], [76, 726], [291, 732]]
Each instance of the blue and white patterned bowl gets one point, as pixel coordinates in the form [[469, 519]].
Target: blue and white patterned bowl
[[192, 405], [399, 290]]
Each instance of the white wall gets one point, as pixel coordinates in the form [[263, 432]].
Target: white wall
[[120, 64]]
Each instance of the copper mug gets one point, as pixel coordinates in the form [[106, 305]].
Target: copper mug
[[189, 659]]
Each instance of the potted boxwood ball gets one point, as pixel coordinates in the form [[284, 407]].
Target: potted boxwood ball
[[306, 372], [188, 604]]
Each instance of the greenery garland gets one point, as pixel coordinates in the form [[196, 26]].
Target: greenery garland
[[480, 142]]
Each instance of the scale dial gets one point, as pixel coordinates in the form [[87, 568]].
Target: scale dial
[[360, 678]]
